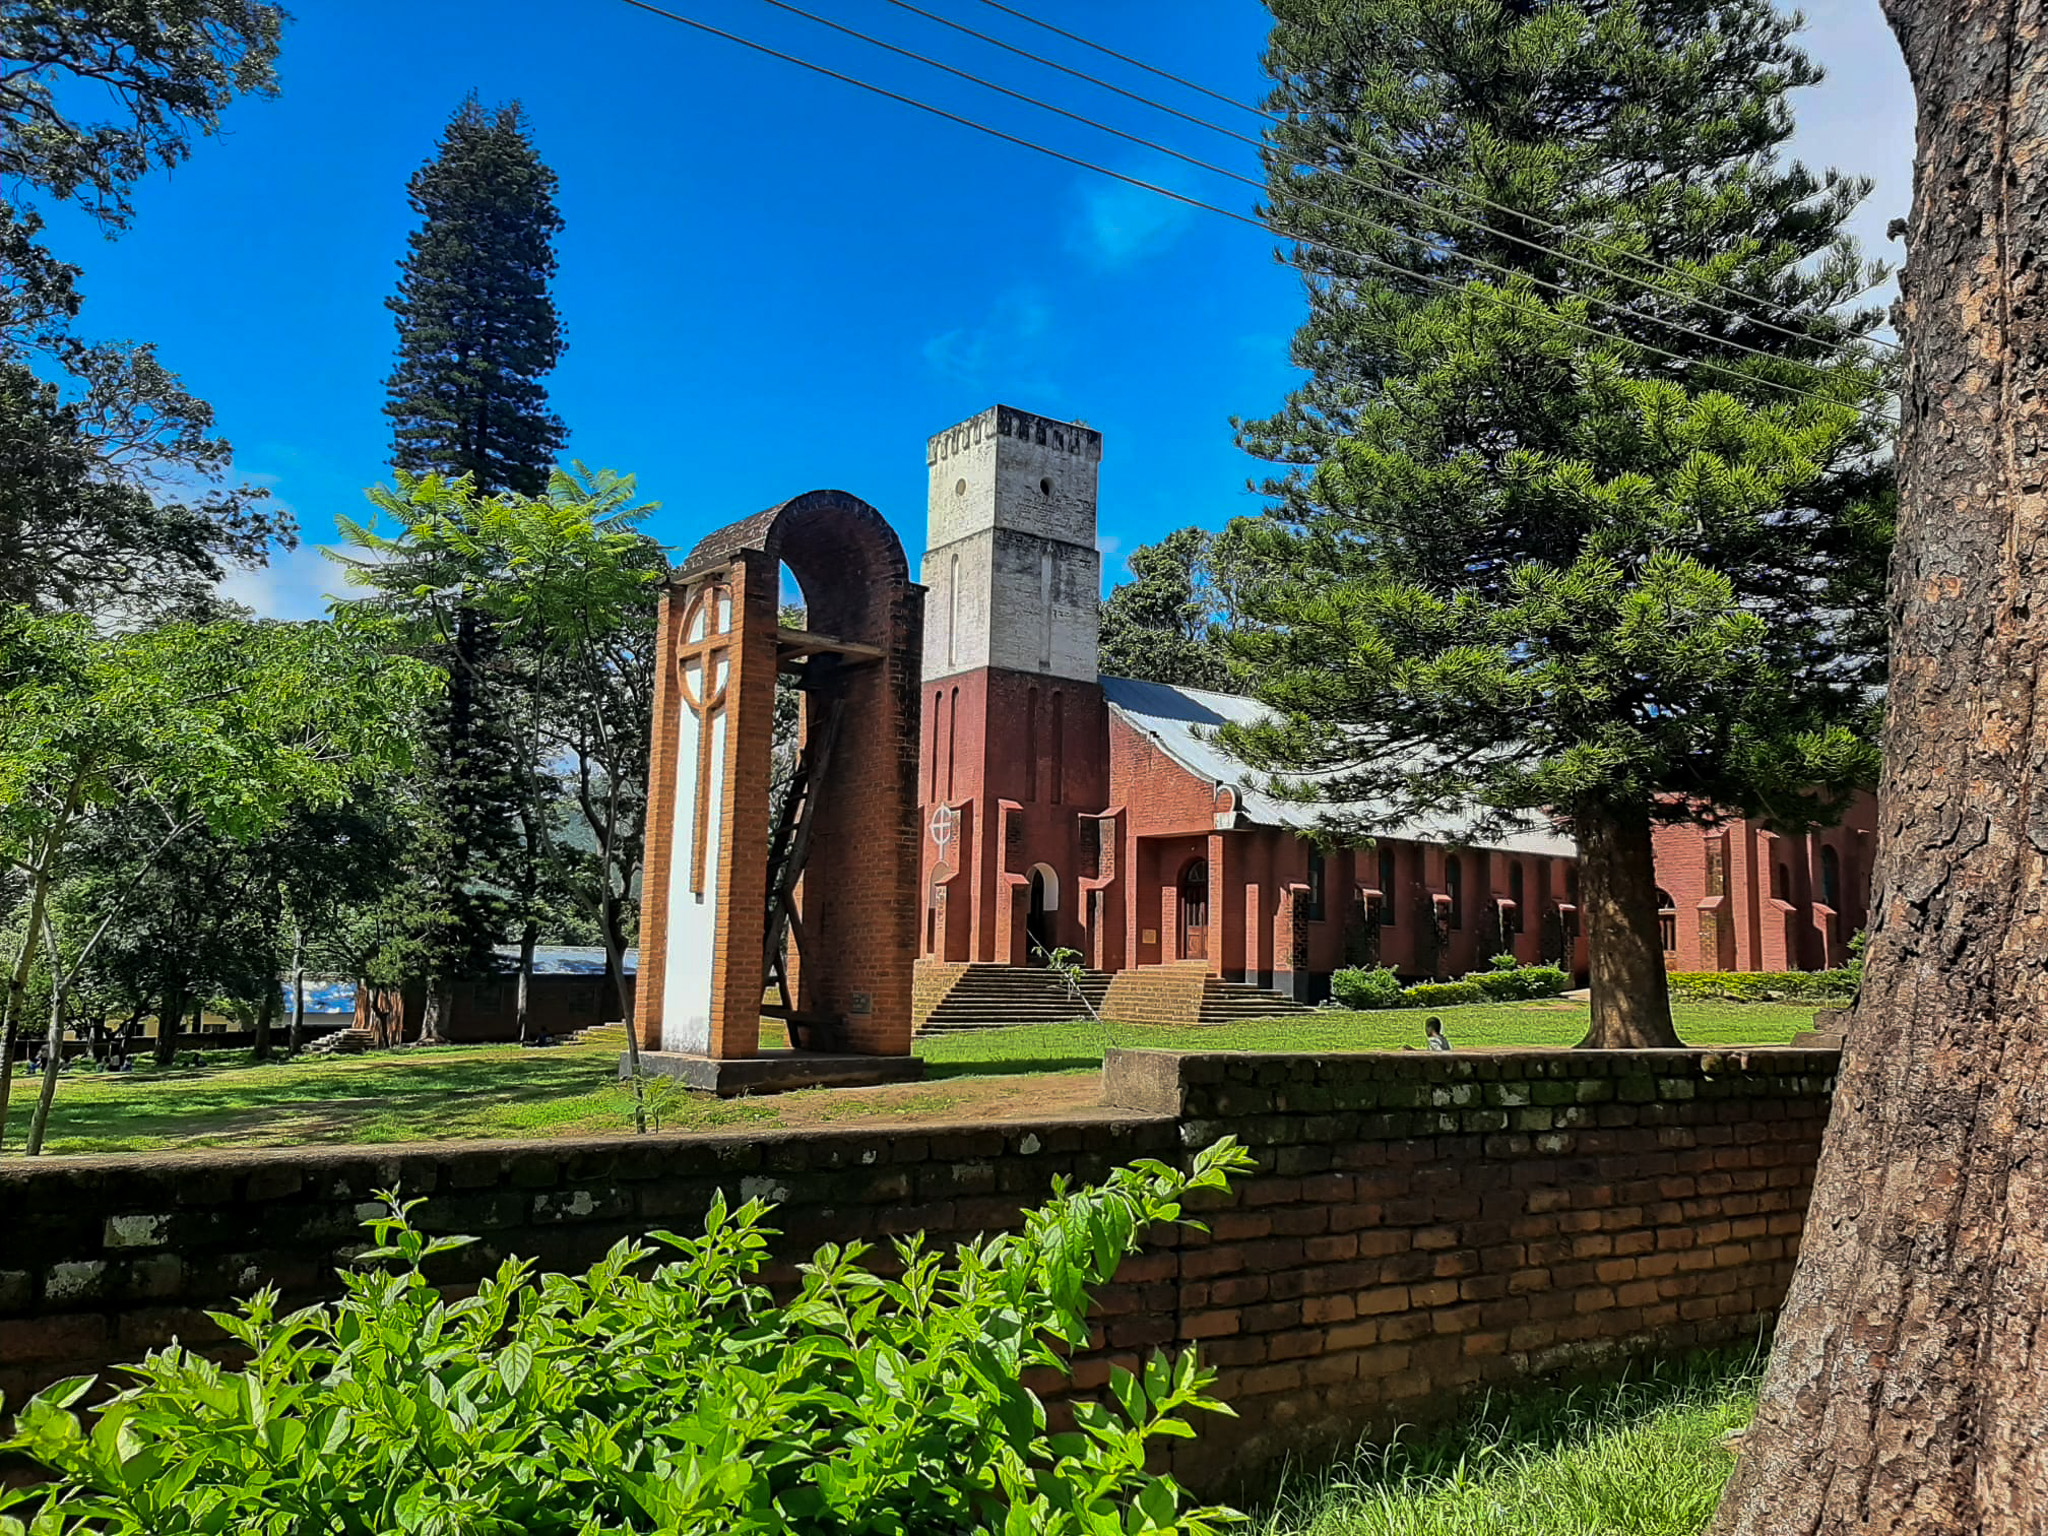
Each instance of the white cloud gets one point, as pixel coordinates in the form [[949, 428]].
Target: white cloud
[[294, 585], [1116, 225]]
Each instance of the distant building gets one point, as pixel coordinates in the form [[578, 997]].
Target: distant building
[[1064, 809], [569, 991], [1738, 896]]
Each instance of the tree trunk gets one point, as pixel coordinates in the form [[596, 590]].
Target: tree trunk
[[10, 1033], [265, 1013], [170, 1017], [1618, 885], [53, 1066], [298, 1035], [16, 1004], [1908, 1386], [432, 1012], [529, 936]]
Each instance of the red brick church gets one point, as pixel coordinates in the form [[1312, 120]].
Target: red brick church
[[1065, 809]]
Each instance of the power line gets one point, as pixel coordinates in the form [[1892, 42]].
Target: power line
[[1194, 202], [1559, 288], [1381, 160]]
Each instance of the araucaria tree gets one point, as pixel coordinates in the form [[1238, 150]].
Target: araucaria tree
[[477, 332], [1908, 1385], [477, 329], [1585, 508]]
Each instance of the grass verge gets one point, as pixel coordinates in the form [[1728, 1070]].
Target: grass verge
[[473, 1092], [1636, 1457]]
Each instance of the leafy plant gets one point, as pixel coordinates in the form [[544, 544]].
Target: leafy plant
[[682, 1400], [1518, 983], [1442, 994], [1770, 986], [1066, 964], [651, 1096], [1366, 987]]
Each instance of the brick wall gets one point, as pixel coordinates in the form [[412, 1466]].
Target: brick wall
[[1422, 1225], [930, 981], [1157, 994]]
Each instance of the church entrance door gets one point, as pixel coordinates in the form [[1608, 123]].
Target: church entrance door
[[1194, 910], [1038, 920]]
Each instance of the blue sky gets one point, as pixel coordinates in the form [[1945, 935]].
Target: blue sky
[[772, 282]]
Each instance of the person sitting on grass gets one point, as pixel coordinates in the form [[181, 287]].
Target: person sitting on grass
[[1434, 1027]]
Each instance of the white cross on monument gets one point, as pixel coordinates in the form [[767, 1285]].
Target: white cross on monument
[[944, 820], [707, 646]]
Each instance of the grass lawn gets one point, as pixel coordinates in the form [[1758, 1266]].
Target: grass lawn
[[1481, 1026], [1638, 1457], [458, 1093]]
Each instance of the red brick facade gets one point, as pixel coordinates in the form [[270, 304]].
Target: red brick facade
[[1745, 898], [1124, 829]]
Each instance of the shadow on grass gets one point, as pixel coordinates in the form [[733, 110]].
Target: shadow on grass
[[412, 1089]]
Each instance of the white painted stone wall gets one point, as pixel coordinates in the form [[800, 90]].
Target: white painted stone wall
[[1011, 569]]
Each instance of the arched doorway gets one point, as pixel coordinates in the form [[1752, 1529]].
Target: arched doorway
[[1040, 924], [1194, 910]]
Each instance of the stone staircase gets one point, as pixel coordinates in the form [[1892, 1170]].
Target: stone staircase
[[992, 996], [342, 1042], [1226, 1002], [611, 1037]]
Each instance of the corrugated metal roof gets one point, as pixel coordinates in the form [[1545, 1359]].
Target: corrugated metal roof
[[1183, 721]]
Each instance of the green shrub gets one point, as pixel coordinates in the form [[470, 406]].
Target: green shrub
[[1520, 984], [683, 1400], [1768, 986], [1442, 994], [1504, 961], [1366, 987]]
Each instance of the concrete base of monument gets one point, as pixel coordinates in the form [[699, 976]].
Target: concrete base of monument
[[775, 1071]]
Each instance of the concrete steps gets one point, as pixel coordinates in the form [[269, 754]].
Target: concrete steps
[[1229, 1002], [997, 996], [611, 1037]]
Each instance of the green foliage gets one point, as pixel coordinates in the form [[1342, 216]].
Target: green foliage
[[167, 67], [1378, 987], [1516, 982], [1531, 550], [1158, 625], [681, 1400], [541, 611], [1769, 986], [114, 489], [1442, 994], [223, 730], [477, 327], [1360, 986]]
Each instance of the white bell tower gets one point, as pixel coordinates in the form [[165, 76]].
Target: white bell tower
[[1011, 566]]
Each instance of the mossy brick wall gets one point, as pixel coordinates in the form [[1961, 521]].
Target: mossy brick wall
[[1427, 1224], [1422, 1225]]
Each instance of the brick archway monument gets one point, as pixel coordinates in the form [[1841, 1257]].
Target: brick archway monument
[[807, 915]]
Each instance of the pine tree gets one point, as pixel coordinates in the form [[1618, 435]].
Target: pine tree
[[1156, 625], [477, 329], [1585, 509]]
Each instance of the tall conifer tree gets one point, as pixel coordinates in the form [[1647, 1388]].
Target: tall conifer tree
[[1585, 507], [477, 331]]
